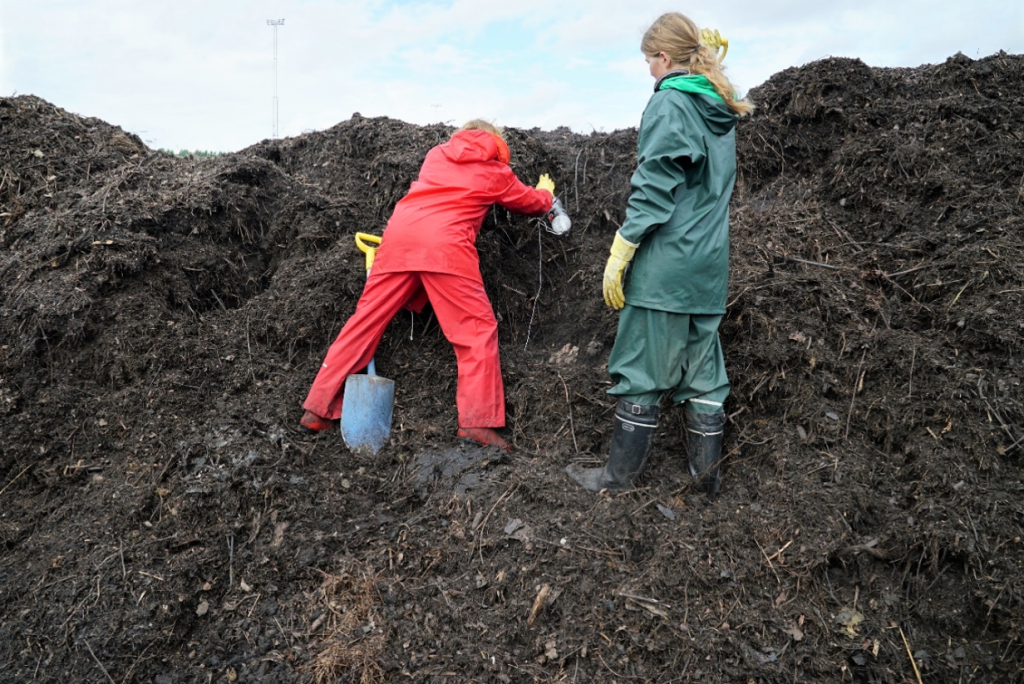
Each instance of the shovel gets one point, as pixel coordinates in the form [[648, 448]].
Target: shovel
[[369, 399]]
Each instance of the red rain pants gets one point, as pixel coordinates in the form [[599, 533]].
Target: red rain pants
[[466, 318]]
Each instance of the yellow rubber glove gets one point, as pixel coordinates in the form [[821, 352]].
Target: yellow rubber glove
[[545, 183], [714, 40], [622, 254]]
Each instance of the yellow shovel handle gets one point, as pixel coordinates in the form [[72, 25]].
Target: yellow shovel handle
[[370, 252]]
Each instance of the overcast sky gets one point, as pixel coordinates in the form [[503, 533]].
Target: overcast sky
[[200, 74]]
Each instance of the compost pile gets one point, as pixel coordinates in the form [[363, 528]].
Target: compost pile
[[162, 519]]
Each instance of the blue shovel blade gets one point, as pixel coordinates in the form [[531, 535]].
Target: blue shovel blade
[[366, 412]]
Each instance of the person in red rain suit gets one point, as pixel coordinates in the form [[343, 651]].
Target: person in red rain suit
[[428, 252]]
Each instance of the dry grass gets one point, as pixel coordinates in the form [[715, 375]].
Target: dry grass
[[353, 636]]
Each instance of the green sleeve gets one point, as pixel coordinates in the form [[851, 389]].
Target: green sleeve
[[666, 147]]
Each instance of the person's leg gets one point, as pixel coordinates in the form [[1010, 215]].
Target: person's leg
[[465, 315], [645, 362], [632, 439], [704, 385], [383, 296], [647, 359], [704, 388]]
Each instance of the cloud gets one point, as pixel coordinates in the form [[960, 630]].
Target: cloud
[[200, 75]]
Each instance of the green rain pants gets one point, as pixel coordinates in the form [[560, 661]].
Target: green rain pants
[[657, 352]]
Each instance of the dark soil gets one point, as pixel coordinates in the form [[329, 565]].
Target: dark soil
[[163, 520]]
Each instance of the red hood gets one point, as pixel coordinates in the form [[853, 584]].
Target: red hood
[[470, 146]]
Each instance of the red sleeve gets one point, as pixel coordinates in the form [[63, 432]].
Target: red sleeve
[[516, 196]]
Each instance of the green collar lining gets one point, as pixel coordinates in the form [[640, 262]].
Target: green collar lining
[[697, 84]]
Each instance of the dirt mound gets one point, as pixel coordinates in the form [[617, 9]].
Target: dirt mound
[[163, 520]]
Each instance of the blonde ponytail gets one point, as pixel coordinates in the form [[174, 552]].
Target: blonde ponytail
[[679, 38]]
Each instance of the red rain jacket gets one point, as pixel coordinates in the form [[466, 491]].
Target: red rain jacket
[[434, 227]]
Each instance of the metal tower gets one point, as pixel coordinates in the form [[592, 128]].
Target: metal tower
[[275, 23]]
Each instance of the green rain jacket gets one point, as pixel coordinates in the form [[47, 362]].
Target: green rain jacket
[[678, 211]]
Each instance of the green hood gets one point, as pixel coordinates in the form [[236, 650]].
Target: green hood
[[711, 105]]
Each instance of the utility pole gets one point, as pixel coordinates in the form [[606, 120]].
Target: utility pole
[[275, 23]]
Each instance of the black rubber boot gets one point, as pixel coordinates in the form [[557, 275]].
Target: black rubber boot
[[704, 439], [632, 438]]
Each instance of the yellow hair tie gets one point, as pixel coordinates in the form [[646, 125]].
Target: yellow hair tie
[[714, 40]]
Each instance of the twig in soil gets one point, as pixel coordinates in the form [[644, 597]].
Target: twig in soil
[[128, 674], [977, 539], [682, 675], [856, 386], [518, 292], [1006, 428], [782, 158], [843, 234], [769, 560], [1015, 444], [913, 664], [98, 662], [910, 383], [15, 478], [686, 611], [444, 595], [501, 498], [231, 560], [618, 675], [576, 180], [737, 298], [249, 345], [253, 608], [600, 404], [731, 608], [480, 528], [540, 284], [642, 599], [816, 263], [650, 501], [959, 293], [901, 289], [867, 547], [778, 554], [909, 270], [214, 293], [572, 427]]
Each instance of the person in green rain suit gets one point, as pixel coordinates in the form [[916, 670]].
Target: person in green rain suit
[[676, 235]]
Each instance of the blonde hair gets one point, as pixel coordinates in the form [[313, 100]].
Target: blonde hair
[[679, 38], [482, 125]]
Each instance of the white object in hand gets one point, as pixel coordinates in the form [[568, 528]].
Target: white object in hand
[[559, 220]]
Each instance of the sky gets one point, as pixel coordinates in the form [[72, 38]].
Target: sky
[[202, 74]]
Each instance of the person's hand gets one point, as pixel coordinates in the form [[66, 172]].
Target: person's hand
[[622, 254], [545, 183]]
